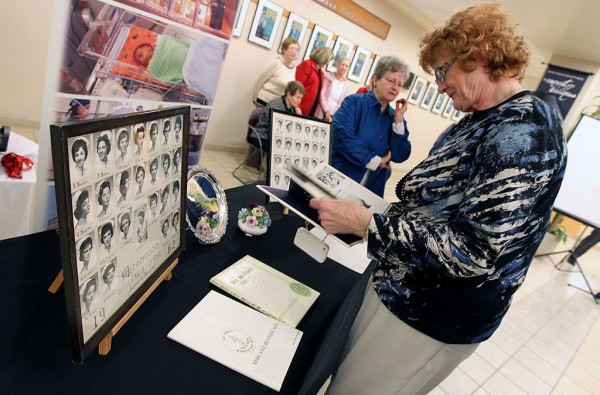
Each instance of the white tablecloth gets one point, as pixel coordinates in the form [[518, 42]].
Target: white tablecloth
[[16, 195]]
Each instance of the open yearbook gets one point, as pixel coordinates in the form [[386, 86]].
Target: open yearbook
[[267, 290], [240, 338], [323, 181]]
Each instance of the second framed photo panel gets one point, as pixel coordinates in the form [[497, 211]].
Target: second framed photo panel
[[296, 140], [265, 23], [342, 49], [417, 91], [429, 97], [295, 27], [359, 64], [320, 37]]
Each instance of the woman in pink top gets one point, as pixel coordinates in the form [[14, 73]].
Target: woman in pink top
[[335, 89]]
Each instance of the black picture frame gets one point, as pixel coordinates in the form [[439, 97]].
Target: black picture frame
[[295, 147], [108, 263]]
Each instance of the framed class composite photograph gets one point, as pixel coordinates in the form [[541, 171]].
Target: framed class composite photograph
[[299, 140], [120, 193]]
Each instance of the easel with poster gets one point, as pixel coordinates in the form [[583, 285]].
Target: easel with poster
[[120, 192]]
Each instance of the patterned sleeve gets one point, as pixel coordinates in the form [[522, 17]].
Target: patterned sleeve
[[496, 208]]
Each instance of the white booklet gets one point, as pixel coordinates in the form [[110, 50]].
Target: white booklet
[[324, 181], [240, 338], [267, 290]]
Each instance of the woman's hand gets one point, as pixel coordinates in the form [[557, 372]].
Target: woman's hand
[[328, 116], [384, 164], [401, 109], [342, 216]]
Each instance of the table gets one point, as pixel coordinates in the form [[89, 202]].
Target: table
[[34, 341], [16, 204]]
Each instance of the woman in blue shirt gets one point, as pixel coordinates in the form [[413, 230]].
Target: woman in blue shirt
[[368, 133]]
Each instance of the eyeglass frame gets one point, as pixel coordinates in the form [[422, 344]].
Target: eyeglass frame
[[442, 70]]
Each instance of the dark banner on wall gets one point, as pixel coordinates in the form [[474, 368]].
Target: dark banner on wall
[[564, 84]]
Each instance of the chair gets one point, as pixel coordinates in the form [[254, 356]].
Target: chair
[[255, 144]]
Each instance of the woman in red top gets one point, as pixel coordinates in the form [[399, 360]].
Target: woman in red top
[[310, 74]]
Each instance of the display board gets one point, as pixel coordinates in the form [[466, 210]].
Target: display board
[[578, 195], [295, 139], [120, 193]]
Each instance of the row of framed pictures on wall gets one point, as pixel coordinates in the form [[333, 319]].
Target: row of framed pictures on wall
[[425, 95], [264, 28]]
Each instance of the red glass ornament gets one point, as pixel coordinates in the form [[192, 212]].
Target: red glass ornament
[[15, 164]]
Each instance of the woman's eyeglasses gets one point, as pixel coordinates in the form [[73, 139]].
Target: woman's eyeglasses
[[440, 72]]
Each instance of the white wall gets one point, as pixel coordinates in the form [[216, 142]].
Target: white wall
[[24, 32]]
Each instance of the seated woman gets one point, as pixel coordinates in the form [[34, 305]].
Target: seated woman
[[294, 91]]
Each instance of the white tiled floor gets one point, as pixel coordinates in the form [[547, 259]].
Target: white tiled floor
[[548, 343]]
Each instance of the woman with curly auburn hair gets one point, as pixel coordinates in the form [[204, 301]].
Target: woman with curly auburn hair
[[457, 245]]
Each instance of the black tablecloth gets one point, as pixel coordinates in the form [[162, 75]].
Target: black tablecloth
[[34, 343]]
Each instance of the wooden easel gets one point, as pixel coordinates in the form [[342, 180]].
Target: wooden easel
[[106, 343]]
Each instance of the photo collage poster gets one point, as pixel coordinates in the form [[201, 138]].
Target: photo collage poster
[[296, 140], [124, 187]]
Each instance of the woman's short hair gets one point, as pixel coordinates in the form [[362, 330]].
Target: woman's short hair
[[175, 215], [88, 285], [105, 271], [178, 121], [124, 178], [294, 87], [78, 212], [106, 139], [321, 55], [140, 169], [123, 134], [84, 244], [140, 129], [104, 184], [390, 63], [167, 157], [287, 42], [77, 145], [176, 185], [481, 33], [124, 216], [154, 128], [338, 60], [107, 227]]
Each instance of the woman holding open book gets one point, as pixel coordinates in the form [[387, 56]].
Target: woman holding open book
[[457, 245]]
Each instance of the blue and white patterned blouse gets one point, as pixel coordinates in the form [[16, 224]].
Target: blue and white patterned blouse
[[458, 243]]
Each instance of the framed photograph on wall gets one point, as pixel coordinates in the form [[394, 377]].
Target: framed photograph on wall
[[298, 140], [372, 70], [320, 37], [359, 64], [417, 91], [439, 103], [265, 23], [448, 109], [240, 18], [429, 96], [342, 49], [295, 27], [457, 115], [409, 80], [120, 194]]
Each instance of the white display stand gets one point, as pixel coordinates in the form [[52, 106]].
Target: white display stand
[[16, 204]]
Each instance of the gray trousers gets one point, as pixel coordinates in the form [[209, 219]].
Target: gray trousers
[[386, 356]]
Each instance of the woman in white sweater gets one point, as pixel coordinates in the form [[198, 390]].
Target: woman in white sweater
[[276, 74]]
